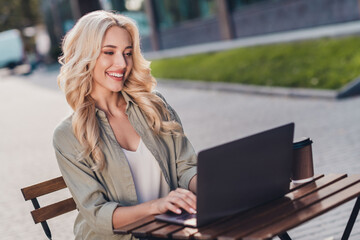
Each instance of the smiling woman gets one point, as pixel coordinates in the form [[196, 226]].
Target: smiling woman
[[122, 153]]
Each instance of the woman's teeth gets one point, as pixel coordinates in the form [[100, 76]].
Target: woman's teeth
[[116, 74]]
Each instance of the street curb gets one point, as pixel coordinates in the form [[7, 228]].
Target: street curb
[[350, 90], [251, 89]]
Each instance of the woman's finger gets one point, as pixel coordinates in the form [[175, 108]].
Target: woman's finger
[[187, 193], [188, 200], [171, 207], [180, 202], [188, 196]]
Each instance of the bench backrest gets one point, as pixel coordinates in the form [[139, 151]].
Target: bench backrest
[[41, 214]]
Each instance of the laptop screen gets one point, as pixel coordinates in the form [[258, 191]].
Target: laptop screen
[[244, 173]]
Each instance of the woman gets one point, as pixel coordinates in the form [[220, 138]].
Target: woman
[[122, 152]]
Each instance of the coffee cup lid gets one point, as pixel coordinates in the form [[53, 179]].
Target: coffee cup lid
[[299, 143]]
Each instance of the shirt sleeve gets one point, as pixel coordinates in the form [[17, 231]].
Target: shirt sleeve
[[89, 195], [186, 157]]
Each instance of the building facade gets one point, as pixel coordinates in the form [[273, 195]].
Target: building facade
[[168, 24]]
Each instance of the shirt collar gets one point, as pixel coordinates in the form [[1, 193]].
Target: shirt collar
[[100, 113], [128, 99]]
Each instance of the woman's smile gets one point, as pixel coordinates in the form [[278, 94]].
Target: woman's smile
[[117, 76]]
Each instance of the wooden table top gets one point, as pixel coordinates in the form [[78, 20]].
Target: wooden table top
[[302, 203]]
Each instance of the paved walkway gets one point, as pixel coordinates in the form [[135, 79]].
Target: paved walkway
[[32, 106]]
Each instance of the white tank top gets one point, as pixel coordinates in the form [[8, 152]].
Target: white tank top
[[149, 181]]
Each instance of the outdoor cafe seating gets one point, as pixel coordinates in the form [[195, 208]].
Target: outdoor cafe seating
[[303, 203]]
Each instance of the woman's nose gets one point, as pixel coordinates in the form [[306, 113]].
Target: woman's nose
[[120, 61]]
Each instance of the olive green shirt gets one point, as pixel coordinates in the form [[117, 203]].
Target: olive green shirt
[[98, 193]]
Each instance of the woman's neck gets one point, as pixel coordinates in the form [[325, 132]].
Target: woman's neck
[[110, 103]]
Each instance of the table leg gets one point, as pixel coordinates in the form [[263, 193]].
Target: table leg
[[352, 219], [284, 236]]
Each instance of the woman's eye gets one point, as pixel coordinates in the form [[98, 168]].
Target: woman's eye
[[109, 53], [128, 54]]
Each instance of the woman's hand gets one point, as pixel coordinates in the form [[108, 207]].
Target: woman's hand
[[174, 201]]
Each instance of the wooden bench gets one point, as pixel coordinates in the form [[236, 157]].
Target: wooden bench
[[41, 214], [302, 203]]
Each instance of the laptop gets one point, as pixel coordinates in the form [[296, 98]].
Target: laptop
[[240, 175]]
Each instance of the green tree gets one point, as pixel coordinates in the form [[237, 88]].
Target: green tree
[[19, 14]]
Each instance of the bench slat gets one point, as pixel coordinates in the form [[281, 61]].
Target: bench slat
[[53, 210], [146, 230], [166, 231], [294, 187], [43, 188], [128, 228], [308, 213], [189, 232], [185, 233]]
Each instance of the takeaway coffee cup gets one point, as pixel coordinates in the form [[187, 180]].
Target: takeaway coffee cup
[[302, 169]]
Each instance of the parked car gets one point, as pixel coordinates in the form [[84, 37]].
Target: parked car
[[12, 51]]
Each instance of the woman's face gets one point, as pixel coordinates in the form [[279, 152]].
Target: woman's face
[[114, 63]]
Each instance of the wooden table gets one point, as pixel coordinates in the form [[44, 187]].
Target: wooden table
[[302, 203]]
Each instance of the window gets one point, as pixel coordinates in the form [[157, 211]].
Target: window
[[236, 4], [173, 12], [134, 9]]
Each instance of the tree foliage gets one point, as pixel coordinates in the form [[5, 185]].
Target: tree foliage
[[19, 14]]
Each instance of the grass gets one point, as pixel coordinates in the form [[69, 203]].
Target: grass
[[327, 63]]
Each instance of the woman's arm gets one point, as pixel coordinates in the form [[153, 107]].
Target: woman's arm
[[193, 184], [186, 158], [87, 192], [175, 201]]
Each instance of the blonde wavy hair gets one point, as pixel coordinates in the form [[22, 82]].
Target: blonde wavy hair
[[81, 47]]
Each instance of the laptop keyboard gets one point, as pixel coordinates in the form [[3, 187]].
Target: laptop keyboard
[[185, 216]]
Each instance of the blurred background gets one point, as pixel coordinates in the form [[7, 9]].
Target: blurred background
[[230, 68], [187, 31], [167, 24]]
